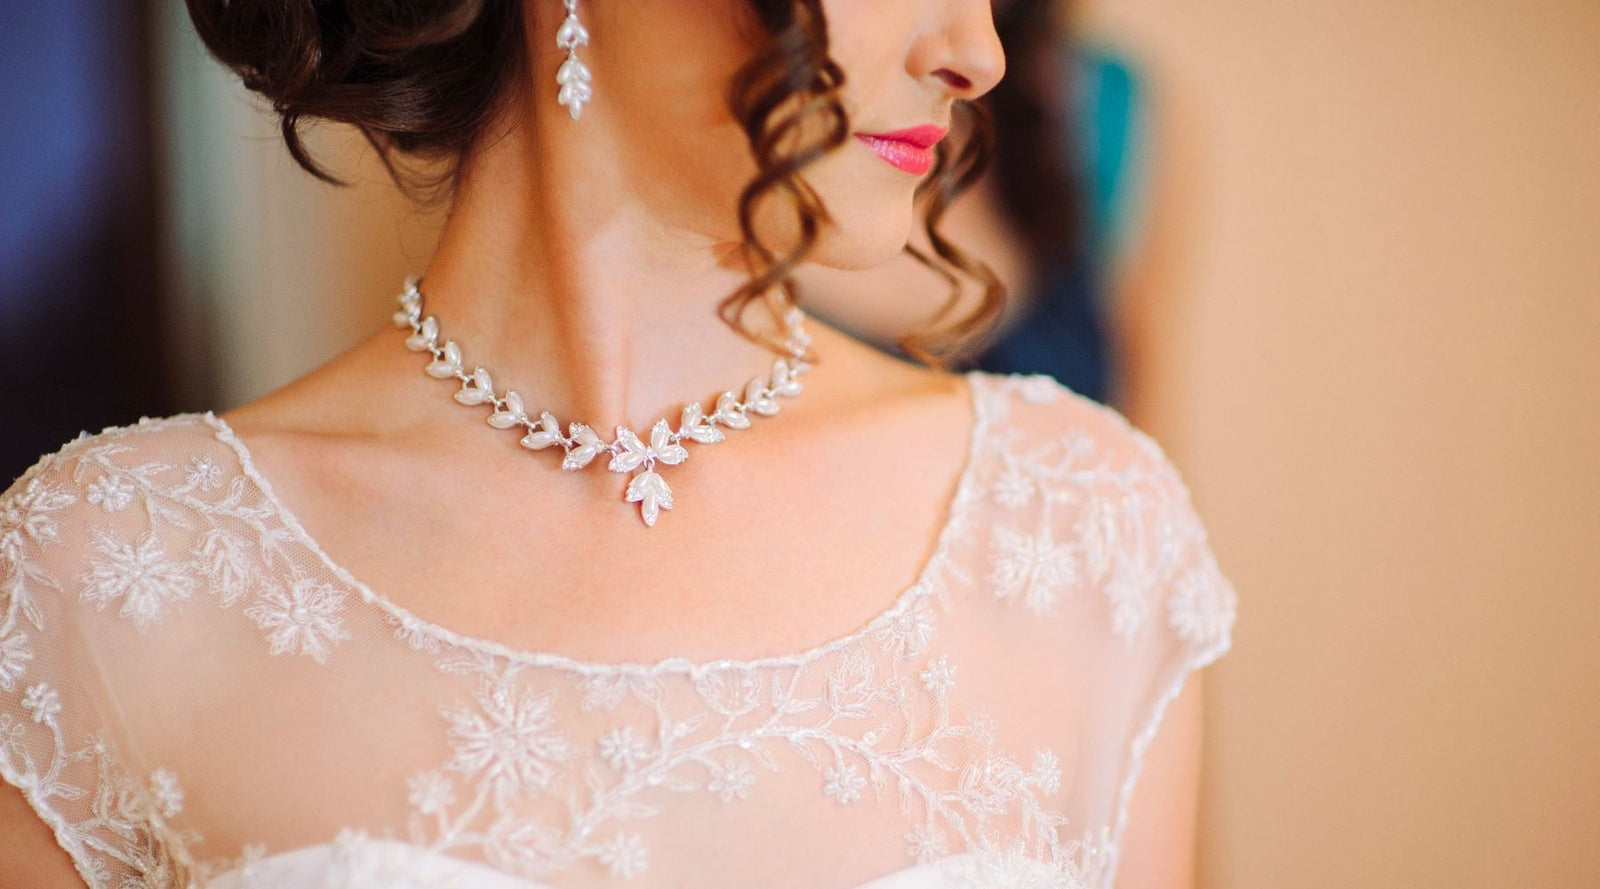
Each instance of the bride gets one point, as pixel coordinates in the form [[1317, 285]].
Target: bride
[[604, 563]]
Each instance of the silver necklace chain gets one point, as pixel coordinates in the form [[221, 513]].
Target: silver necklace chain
[[629, 451]]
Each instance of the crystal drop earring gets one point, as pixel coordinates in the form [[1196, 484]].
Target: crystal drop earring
[[573, 75]]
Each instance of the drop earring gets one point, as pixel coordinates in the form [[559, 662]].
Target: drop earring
[[573, 75]]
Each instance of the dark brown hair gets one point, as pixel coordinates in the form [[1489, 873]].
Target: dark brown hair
[[423, 79]]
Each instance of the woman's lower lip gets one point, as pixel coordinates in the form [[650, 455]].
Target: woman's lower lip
[[904, 155]]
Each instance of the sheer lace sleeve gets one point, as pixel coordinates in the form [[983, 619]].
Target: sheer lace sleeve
[[1193, 606], [80, 570], [1095, 533]]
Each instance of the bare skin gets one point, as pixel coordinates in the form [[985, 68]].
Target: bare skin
[[581, 263]]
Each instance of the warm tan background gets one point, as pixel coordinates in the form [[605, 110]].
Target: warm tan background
[[1383, 379], [1374, 313]]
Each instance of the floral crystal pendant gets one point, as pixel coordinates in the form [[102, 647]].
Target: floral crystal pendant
[[640, 456]]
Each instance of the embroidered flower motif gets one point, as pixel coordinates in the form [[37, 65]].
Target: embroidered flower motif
[[624, 855], [1201, 609], [14, 657], [622, 749], [926, 843], [1013, 489], [42, 703], [1129, 606], [304, 620], [939, 676], [203, 473], [1034, 566], [166, 796], [1046, 774], [110, 492], [730, 779], [139, 574], [907, 633], [844, 783], [431, 792], [26, 515], [507, 738]]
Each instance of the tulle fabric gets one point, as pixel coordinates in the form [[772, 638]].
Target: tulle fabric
[[193, 693]]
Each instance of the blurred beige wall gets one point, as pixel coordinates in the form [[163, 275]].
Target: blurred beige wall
[[276, 272], [1379, 323]]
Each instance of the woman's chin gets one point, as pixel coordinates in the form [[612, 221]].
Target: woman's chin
[[862, 240]]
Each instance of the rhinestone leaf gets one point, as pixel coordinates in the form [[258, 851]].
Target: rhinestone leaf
[[449, 364], [589, 444], [548, 433], [571, 70], [651, 492], [574, 93], [476, 389], [756, 398], [731, 412], [512, 415], [634, 451], [663, 448], [783, 381], [571, 34], [693, 425], [426, 337]]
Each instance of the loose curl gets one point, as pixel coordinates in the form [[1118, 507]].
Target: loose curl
[[423, 79]]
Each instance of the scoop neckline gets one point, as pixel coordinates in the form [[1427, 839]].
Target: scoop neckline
[[954, 514]]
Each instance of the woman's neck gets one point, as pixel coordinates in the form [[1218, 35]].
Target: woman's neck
[[554, 274]]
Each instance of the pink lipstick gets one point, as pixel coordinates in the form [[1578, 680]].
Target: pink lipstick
[[909, 149]]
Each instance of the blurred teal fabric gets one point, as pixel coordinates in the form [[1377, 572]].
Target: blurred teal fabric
[[1065, 331]]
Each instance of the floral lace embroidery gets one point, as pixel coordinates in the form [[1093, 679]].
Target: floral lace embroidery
[[507, 749], [844, 714]]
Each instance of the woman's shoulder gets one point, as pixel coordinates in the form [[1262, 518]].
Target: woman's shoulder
[[1034, 412], [153, 447], [94, 520], [1074, 496]]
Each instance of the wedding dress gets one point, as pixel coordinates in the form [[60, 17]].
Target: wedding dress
[[193, 693]]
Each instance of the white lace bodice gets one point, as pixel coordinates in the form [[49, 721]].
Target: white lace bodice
[[193, 693]]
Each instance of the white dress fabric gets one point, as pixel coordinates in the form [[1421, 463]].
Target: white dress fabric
[[193, 693]]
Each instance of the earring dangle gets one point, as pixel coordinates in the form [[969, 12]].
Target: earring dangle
[[573, 75]]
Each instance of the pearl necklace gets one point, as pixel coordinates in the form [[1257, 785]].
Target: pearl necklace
[[629, 452]]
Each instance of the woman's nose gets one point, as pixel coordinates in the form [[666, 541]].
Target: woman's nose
[[961, 48]]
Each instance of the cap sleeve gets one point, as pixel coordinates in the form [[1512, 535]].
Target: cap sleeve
[[1191, 605], [65, 575], [1097, 535]]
